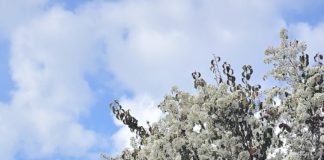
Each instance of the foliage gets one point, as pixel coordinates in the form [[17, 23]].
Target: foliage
[[229, 120]]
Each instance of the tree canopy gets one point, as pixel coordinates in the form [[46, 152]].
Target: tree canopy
[[238, 120]]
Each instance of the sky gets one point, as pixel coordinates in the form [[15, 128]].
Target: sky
[[63, 61]]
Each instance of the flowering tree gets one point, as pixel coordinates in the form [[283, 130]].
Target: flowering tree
[[231, 120]]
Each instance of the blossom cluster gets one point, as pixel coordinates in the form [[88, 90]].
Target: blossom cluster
[[232, 120]]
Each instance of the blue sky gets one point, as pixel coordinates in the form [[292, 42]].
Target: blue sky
[[63, 61]]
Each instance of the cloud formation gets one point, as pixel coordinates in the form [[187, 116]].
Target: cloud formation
[[154, 42], [49, 59]]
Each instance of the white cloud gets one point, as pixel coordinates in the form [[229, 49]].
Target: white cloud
[[121, 140], [154, 45], [49, 59]]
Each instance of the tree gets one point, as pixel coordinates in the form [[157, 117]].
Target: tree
[[228, 120]]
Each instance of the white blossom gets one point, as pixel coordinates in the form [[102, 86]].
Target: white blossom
[[229, 121]]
